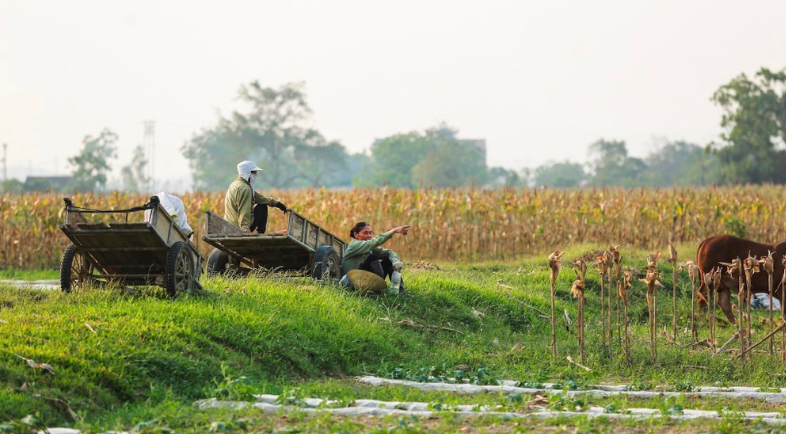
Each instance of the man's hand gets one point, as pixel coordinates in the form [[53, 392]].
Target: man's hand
[[282, 207], [246, 230], [398, 266], [401, 230]]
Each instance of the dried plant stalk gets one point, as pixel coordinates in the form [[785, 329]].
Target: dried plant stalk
[[578, 291], [768, 266], [741, 306], [624, 285], [652, 299], [693, 272], [717, 274], [601, 264], [783, 307], [651, 280], [673, 260], [608, 259], [751, 266], [555, 260], [614, 250]]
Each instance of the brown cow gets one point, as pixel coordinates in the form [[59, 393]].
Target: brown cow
[[724, 248]]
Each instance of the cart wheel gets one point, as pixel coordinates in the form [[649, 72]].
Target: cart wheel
[[75, 270], [179, 269], [217, 262], [326, 263]]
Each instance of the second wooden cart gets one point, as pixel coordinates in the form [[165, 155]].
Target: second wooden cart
[[305, 246]]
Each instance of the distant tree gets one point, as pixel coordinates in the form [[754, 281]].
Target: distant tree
[[12, 185], [435, 157], [611, 165], [273, 131], [133, 175], [680, 164], [213, 155], [322, 165], [501, 177], [754, 119], [349, 177], [704, 169], [452, 163], [565, 174], [393, 158], [91, 165]]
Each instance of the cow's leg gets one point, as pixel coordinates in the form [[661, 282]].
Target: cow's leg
[[703, 298], [724, 301]]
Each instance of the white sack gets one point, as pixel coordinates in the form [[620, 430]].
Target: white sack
[[173, 205]]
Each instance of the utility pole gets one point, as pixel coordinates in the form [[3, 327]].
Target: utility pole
[[149, 142], [5, 162]]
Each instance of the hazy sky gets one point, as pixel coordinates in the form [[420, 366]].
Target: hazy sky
[[538, 80]]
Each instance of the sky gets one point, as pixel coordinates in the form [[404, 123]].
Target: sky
[[540, 81]]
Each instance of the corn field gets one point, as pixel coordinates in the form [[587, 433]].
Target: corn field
[[447, 224]]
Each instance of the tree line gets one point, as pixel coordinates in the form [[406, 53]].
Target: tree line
[[274, 128]]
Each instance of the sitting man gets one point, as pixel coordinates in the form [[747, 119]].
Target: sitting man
[[364, 253], [244, 207]]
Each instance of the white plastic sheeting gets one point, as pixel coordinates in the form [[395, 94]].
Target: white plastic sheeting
[[268, 403], [32, 284], [64, 431], [597, 391]]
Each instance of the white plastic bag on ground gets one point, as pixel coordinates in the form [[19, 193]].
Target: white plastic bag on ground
[[762, 300]]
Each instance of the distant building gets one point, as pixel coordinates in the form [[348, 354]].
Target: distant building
[[44, 183]]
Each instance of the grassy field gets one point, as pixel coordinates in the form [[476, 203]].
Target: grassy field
[[137, 360], [12, 274]]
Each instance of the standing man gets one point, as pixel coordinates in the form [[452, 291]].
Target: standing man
[[244, 207]]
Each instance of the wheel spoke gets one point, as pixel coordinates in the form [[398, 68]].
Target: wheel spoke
[[78, 271], [182, 271]]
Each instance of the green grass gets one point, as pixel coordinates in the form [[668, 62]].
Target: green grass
[[13, 274], [121, 358]]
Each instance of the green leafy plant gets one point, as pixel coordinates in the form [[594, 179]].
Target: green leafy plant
[[684, 386], [233, 388], [564, 402], [292, 396], [610, 408], [231, 425], [769, 389], [514, 398], [670, 407], [441, 374], [29, 424], [638, 386]]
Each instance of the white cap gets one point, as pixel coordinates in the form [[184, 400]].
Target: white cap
[[244, 169]]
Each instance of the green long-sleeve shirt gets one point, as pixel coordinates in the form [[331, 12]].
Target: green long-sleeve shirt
[[239, 203], [357, 251]]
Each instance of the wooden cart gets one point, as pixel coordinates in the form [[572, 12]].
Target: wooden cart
[[136, 246], [305, 246]]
